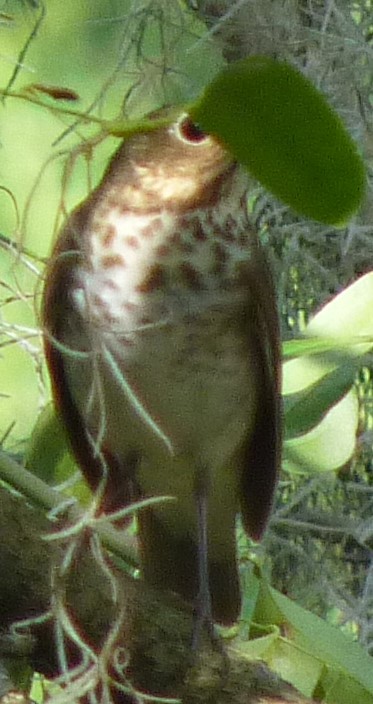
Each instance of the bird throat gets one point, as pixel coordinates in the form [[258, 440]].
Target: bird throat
[[143, 269]]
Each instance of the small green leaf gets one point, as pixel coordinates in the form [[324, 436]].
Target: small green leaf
[[317, 346], [282, 129], [48, 447], [48, 455], [304, 410]]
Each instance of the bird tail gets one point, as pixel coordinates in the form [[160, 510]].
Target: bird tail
[[170, 563]]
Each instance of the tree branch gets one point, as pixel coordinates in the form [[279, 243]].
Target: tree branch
[[103, 613]]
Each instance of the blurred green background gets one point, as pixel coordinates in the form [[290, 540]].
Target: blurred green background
[[99, 50]]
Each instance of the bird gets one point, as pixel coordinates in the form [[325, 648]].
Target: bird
[[161, 337]]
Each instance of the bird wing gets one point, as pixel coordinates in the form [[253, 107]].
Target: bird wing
[[57, 310], [262, 454]]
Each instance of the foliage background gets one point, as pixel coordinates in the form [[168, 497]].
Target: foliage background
[[125, 57], [99, 51]]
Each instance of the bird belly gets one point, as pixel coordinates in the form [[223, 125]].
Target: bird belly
[[170, 372], [180, 394]]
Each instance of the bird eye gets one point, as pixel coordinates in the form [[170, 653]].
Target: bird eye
[[190, 132]]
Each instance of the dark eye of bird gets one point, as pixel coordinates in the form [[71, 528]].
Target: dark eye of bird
[[190, 132]]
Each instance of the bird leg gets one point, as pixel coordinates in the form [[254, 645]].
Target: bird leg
[[203, 609]]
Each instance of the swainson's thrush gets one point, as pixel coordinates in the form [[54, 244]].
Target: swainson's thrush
[[163, 347]]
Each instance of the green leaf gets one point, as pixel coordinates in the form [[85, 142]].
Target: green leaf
[[48, 455], [348, 317], [282, 129], [344, 325], [47, 446], [316, 384], [329, 347], [312, 654], [329, 445], [303, 411]]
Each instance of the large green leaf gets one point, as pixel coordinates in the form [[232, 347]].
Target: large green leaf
[[344, 324], [329, 445], [280, 126], [310, 653], [321, 412]]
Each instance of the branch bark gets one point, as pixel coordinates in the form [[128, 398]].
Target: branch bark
[[103, 612]]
